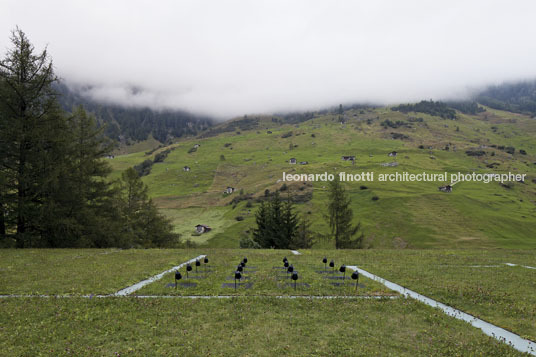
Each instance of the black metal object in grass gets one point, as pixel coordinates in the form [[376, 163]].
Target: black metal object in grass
[[245, 260], [285, 260], [197, 264], [237, 275], [178, 276], [294, 277], [332, 264], [342, 269], [286, 264], [355, 276], [290, 269], [188, 269], [240, 268], [206, 262], [325, 261]]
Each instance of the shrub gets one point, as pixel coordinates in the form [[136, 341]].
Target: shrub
[[287, 135], [475, 153], [246, 242], [510, 149]]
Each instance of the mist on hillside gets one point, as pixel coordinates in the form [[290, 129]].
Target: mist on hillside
[[229, 58]]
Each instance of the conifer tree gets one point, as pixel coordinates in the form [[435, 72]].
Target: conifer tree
[[304, 237], [143, 224], [31, 137], [277, 224], [260, 233], [340, 217]]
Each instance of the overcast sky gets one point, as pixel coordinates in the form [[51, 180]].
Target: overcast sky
[[227, 58]]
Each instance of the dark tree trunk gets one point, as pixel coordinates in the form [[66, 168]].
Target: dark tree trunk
[[2, 222]]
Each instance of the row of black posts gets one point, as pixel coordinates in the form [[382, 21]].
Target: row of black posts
[[240, 270], [290, 269], [178, 275], [342, 269]]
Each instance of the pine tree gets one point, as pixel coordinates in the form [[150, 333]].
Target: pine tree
[[340, 217], [143, 224], [54, 190], [289, 224], [31, 135], [304, 238], [260, 234], [277, 223], [84, 208]]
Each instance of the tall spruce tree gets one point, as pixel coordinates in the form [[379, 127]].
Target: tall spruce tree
[[340, 217], [304, 238], [54, 189], [144, 226], [83, 211], [32, 134], [260, 233], [277, 224], [289, 224]]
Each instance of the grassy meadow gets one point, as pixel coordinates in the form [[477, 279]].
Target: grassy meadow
[[261, 324], [252, 154]]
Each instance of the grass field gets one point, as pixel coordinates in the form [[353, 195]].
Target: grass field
[[257, 327], [261, 325], [264, 270], [81, 271], [406, 214]]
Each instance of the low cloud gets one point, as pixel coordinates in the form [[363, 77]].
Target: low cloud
[[227, 58]]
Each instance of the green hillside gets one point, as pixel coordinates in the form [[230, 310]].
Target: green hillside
[[256, 151]]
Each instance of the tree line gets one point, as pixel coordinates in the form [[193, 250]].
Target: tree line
[[54, 184], [136, 124], [439, 109], [517, 97], [278, 225]]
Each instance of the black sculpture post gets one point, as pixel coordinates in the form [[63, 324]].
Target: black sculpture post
[[294, 277], [355, 276], [188, 269], [342, 269], [237, 275]]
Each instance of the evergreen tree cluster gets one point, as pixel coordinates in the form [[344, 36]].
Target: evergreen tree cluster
[[466, 107], [519, 97], [340, 216], [279, 227], [134, 123], [54, 189], [145, 167], [439, 109]]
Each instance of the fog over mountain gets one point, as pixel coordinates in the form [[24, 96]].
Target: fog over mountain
[[227, 58]]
